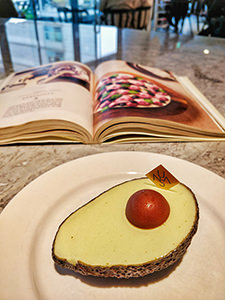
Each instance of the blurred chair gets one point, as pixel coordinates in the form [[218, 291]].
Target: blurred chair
[[138, 18], [7, 9], [198, 9], [66, 14], [176, 12]]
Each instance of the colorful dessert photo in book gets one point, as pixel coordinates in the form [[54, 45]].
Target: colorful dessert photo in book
[[126, 90], [58, 72], [144, 92]]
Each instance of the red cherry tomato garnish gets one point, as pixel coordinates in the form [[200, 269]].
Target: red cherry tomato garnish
[[147, 209]]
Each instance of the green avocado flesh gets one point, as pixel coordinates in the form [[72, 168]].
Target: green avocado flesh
[[99, 234]]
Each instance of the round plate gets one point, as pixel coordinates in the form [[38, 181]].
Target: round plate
[[29, 223]]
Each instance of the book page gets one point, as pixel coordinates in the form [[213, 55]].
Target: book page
[[58, 91], [133, 92]]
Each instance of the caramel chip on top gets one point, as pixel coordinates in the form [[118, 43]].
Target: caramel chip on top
[[162, 178]]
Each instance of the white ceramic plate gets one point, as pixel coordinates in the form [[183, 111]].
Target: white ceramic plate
[[29, 223]]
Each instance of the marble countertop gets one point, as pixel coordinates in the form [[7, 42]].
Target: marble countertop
[[20, 165], [201, 59]]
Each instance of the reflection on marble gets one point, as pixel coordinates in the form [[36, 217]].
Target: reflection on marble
[[184, 55]]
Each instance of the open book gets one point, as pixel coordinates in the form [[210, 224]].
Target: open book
[[119, 102]]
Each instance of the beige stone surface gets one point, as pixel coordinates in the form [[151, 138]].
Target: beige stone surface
[[19, 165]]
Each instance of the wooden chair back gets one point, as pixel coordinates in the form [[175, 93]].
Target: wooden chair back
[[138, 18]]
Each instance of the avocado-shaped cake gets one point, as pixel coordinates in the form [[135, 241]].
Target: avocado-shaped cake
[[131, 230]]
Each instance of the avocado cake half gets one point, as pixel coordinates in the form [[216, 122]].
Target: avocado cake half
[[98, 239]]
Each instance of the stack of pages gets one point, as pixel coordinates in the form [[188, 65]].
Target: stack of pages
[[119, 102]]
